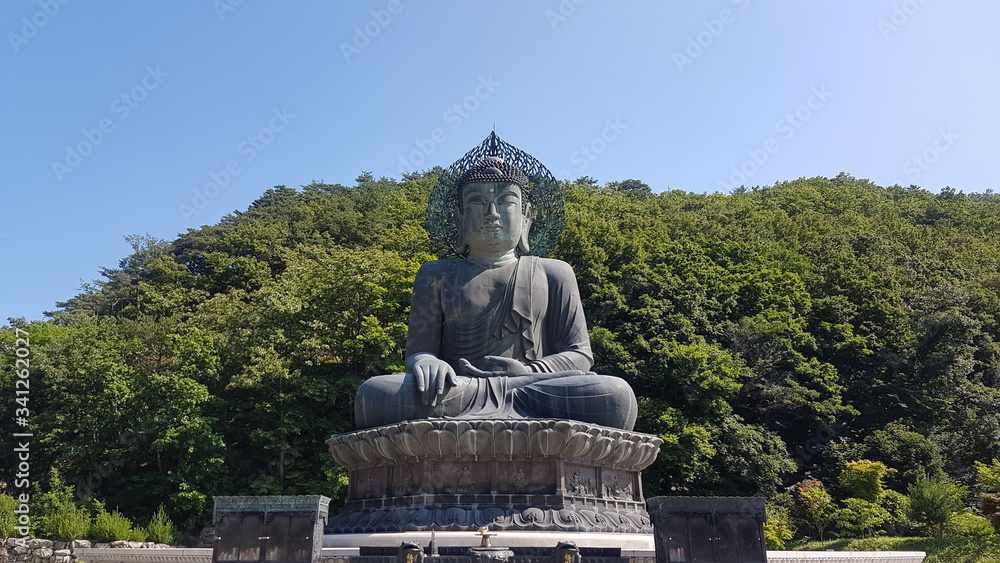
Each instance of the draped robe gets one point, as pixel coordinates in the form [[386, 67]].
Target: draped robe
[[528, 309]]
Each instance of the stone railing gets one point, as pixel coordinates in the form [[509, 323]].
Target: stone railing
[[16, 550], [165, 555]]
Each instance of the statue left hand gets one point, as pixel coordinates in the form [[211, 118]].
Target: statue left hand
[[496, 366]]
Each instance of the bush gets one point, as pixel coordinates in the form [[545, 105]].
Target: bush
[[990, 503], [161, 528], [70, 523], [933, 502], [814, 504], [898, 506], [989, 475], [865, 479], [8, 519], [968, 525], [114, 526], [778, 527], [860, 518], [55, 514]]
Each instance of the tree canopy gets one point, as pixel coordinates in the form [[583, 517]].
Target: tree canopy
[[772, 335]]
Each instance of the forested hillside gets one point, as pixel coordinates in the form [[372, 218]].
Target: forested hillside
[[772, 336]]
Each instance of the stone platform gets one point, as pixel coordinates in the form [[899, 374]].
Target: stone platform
[[524, 475]]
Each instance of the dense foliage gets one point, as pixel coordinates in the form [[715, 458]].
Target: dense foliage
[[773, 336]]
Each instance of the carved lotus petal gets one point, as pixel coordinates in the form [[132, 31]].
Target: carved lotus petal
[[344, 454], [510, 442], [440, 443], [578, 445], [474, 443], [645, 454], [364, 450], [409, 445], [603, 447], [383, 446], [547, 442], [623, 451], [570, 520]]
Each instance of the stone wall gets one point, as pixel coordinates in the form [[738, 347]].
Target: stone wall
[[48, 551]]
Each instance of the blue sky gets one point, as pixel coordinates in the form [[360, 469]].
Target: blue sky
[[139, 117]]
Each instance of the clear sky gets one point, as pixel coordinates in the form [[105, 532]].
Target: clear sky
[[126, 118]]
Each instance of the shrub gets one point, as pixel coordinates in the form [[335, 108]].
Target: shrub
[[161, 528], [865, 479], [113, 526], [860, 518], [55, 514], [933, 501], [990, 503], [969, 525], [7, 517], [778, 527], [898, 506], [989, 475], [815, 504], [69, 523]]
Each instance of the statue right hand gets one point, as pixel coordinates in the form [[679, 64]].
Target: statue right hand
[[432, 375]]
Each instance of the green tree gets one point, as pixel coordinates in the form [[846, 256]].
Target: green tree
[[933, 502], [865, 479], [815, 505]]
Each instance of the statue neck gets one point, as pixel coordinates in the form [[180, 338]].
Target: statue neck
[[486, 259]]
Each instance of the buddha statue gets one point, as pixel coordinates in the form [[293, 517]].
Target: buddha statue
[[496, 333]]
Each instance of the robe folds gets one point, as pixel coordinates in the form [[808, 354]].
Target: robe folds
[[528, 309]]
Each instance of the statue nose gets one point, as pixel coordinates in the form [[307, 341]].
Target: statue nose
[[491, 210]]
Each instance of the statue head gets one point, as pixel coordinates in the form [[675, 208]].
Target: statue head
[[497, 161], [493, 207]]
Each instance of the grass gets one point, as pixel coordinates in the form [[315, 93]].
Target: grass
[[939, 550]]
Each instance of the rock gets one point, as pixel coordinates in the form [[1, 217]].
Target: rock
[[59, 545], [134, 544], [35, 543], [79, 543], [42, 552], [20, 550], [119, 543], [102, 545], [61, 552], [64, 559]]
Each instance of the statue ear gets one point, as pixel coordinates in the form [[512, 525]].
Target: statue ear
[[461, 246], [522, 244]]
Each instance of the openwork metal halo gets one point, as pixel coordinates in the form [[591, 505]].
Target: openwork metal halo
[[546, 199]]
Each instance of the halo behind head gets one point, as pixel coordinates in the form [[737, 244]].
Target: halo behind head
[[497, 161]]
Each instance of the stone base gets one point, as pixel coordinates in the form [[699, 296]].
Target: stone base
[[630, 544], [530, 475]]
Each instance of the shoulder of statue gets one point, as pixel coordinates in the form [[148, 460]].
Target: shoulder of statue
[[433, 267], [554, 267]]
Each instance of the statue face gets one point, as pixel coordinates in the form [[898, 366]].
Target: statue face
[[491, 219]]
